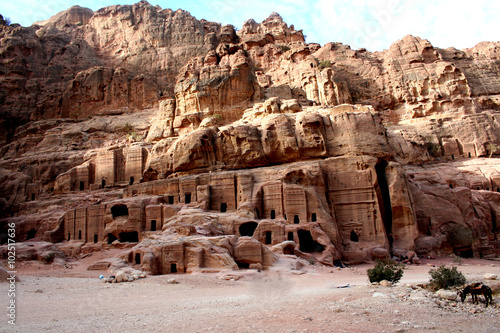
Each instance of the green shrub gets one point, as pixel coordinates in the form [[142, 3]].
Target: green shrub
[[284, 48], [434, 149], [48, 258], [446, 278], [325, 64], [385, 270]]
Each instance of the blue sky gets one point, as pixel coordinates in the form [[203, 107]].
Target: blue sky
[[372, 24]]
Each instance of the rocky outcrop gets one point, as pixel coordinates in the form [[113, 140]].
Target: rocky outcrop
[[189, 144]]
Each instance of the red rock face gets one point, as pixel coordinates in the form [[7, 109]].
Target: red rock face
[[212, 147]]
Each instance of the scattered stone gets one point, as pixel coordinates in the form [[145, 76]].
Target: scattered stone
[[385, 283], [490, 276], [447, 294], [172, 281]]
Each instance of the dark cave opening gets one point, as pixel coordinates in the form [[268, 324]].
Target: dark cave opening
[[384, 197], [119, 210], [31, 234], [307, 243], [132, 237], [111, 238], [248, 228]]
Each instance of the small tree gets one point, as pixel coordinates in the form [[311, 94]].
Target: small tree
[[385, 270], [446, 278], [325, 64], [492, 148]]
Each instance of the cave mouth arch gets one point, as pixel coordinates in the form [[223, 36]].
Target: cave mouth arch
[[119, 210], [132, 237], [248, 228], [307, 243]]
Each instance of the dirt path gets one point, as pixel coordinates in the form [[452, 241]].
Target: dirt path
[[270, 301]]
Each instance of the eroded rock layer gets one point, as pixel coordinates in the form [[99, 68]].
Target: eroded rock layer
[[192, 144]]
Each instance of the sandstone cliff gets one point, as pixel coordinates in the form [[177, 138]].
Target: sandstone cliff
[[193, 144]]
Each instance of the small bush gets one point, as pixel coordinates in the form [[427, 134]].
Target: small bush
[[325, 64], [446, 278], [385, 270], [434, 149], [48, 258], [284, 48]]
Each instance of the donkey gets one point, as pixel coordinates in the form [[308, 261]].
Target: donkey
[[476, 289]]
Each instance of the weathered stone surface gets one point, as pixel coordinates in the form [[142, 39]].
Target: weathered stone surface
[[189, 145]]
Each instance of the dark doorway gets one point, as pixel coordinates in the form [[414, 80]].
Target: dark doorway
[[137, 258], [273, 214], [33, 196], [103, 183], [79, 234], [111, 238], [119, 210], [95, 238], [470, 155], [153, 225], [131, 237], [290, 236], [269, 237], [354, 236], [243, 265], [82, 186], [173, 268], [248, 228], [307, 243], [69, 236], [187, 198], [170, 199], [223, 207], [296, 219], [131, 180], [31, 234], [384, 196], [313, 217]]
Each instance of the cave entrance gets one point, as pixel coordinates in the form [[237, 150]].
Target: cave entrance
[[290, 236], [79, 234], [354, 236], [269, 237], [313, 217], [137, 258], [131, 181], [130, 237], [111, 238], [69, 236], [384, 197], [95, 238], [31, 234], [103, 183], [119, 210], [273, 214], [82, 186], [153, 225], [248, 228], [296, 219], [223, 207], [33, 196], [170, 199], [307, 243], [187, 198], [173, 267]]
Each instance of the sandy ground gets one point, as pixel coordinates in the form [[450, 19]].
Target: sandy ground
[[57, 299]]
